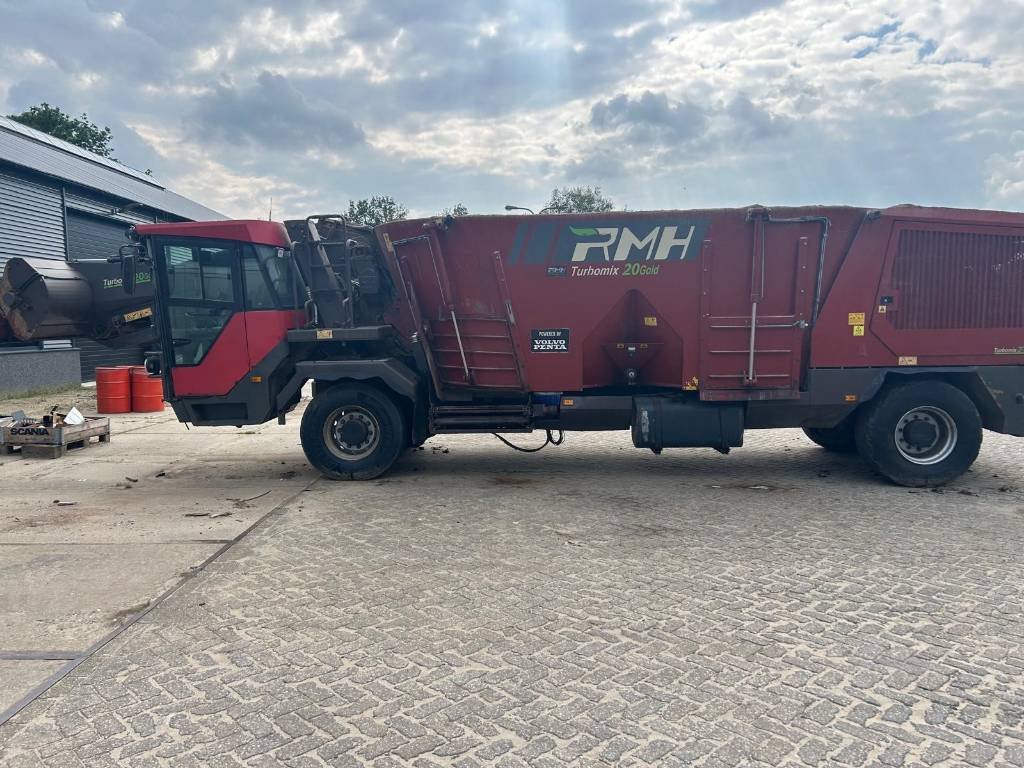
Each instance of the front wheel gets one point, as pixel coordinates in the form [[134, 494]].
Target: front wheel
[[921, 434], [352, 432]]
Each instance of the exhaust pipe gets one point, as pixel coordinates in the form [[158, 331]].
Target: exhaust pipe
[[47, 298]]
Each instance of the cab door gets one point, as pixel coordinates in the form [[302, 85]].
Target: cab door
[[203, 334]]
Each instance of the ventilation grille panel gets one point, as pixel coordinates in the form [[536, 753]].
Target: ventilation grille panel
[[950, 280]]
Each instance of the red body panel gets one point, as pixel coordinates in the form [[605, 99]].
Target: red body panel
[[249, 231], [681, 318], [245, 340]]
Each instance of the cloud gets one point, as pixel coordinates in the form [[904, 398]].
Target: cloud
[[273, 114], [664, 102], [648, 118], [729, 10], [753, 123]]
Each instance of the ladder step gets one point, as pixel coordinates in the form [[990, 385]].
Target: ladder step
[[477, 352], [473, 368], [469, 410]]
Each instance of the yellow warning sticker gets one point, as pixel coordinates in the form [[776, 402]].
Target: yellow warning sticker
[[855, 318], [882, 309], [692, 384], [138, 314], [651, 322], [326, 333], [858, 330], [908, 360]]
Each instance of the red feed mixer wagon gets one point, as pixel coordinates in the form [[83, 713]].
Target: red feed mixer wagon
[[897, 333]]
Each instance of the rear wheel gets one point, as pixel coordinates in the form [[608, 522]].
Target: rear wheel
[[838, 439], [352, 432], [921, 434]]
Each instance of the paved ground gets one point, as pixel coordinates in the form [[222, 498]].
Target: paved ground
[[591, 604], [73, 574]]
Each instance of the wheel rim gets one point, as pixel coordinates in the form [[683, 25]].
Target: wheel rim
[[351, 432], [925, 435]]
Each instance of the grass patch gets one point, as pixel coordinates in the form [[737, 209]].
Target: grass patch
[[29, 394]]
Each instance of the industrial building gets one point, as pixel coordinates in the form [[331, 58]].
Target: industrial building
[[60, 201]]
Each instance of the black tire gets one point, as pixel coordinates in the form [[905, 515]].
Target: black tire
[[352, 432], [920, 434], [837, 439]]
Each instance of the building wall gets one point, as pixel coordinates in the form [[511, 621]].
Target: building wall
[[31, 218], [32, 368]]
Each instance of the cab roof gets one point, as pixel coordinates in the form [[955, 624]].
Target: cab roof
[[244, 230]]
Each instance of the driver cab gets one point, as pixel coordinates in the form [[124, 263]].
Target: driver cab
[[226, 296]]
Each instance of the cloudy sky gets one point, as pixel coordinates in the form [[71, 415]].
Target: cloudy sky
[[664, 103]]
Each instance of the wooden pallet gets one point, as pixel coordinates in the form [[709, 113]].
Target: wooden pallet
[[42, 442]]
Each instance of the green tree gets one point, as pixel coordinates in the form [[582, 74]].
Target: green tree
[[456, 210], [580, 199], [77, 130], [375, 210]]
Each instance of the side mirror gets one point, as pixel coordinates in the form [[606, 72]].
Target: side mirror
[[128, 255], [128, 273]]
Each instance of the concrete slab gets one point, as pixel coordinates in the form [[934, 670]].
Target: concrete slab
[[154, 511], [17, 678], [68, 596]]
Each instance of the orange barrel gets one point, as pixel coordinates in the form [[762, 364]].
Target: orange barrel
[[113, 390], [147, 391]]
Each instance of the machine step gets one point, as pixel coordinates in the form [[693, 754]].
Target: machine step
[[480, 418]]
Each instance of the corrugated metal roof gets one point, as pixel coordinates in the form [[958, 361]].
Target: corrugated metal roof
[[40, 152]]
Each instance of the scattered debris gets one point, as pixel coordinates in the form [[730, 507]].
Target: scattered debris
[[131, 479], [60, 503], [243, 503], [160, 474], [288, 474], [220, 514], [197, 514]]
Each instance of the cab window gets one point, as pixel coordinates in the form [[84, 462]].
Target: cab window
[[200, 273], [200, 297], [268, 278]]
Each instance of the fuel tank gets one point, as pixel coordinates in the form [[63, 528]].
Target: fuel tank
[[46, 298]]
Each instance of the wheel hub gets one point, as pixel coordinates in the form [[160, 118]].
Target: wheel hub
[[925, 435], [921, 433], [352, 433]]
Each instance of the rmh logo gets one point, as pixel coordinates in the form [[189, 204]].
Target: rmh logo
[[623, 244]]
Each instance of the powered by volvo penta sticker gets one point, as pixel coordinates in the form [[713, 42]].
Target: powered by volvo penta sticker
[[549, 340]]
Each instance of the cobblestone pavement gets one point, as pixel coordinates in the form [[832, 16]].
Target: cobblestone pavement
[[591, 604]]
